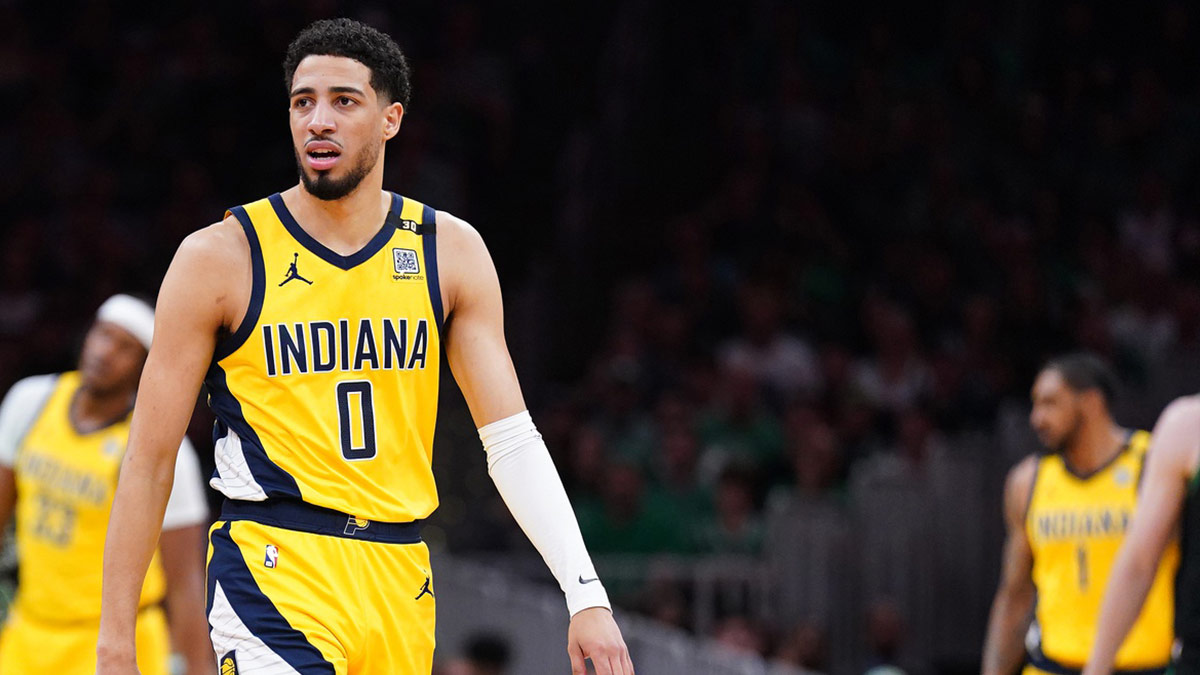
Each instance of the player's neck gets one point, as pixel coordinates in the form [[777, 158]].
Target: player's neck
[[1097, 444], [343, 225], [91, 409]]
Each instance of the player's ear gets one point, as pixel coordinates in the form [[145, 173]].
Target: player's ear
[[392, 115]]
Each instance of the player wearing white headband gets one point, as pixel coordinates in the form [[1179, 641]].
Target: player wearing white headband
[[62, 438]]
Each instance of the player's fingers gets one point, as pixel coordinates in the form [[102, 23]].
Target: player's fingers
[[604, 665], [628, 662], [578, 667]]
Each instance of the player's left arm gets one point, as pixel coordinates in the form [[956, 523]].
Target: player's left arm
[[1170, 462], [181, 546], [518, 460]]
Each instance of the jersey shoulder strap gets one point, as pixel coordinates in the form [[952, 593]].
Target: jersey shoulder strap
[[20, 410]]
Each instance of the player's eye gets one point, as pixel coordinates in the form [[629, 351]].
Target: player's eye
[[301, 103], [345, 100]]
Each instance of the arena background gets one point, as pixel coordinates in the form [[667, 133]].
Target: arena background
[[777, 274]]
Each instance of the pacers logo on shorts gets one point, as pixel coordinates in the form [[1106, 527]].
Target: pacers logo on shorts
[[228, 664], [272, 558], [354, 524]]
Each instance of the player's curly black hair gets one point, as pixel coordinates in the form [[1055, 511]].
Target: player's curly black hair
[[390, 75]]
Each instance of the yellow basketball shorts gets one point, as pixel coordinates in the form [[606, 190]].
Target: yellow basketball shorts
[[34, 647], [298, 588]]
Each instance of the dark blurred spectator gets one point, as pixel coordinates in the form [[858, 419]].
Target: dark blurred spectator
[[741, 634], [885, 639], [736, 527], [895, 377], [484, 654], [780, 362], [737, 427], [675, 487], [624, 521], [665, 601], [805, 646], [816, 461]]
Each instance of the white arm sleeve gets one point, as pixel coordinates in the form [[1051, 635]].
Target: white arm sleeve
[[524, 473], [19, 411], [186, 506]]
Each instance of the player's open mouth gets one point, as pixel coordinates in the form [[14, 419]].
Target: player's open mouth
[[322, 155]]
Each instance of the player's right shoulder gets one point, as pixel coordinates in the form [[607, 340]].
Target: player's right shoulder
[[211, 276], [217, 255]]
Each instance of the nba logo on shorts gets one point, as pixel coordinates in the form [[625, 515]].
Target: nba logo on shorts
[[272, 558]]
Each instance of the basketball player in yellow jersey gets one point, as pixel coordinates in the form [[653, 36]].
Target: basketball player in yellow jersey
[[318, 318], [61, 442], [1068, 511]]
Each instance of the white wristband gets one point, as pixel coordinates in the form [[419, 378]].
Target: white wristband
[[520, 465]]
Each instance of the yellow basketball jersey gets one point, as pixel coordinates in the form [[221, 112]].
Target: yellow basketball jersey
[[65, 486], [327, 392], [1075, 526]]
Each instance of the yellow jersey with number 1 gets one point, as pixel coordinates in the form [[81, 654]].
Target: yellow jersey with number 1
[[327, 392], [1075, 526]]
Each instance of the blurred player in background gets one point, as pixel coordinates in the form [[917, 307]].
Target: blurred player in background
[[1168, 508], [62, 438], [318, 319], [1067, 512]]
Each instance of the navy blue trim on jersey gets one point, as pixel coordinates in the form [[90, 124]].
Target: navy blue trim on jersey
[[1042, 662], [1088, 475], [255, 609], [274, 481], [293, 514], [429, 246], [1037, 470], [257, 289], [318, 249]]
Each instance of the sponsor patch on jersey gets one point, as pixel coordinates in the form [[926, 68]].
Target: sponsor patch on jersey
[[229, 664], [406, 261], [272, 559]]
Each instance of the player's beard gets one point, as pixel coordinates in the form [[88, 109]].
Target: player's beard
[[1067, 440], [327, 188]]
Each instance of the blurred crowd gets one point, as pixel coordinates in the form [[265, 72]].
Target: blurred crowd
[[743, 248]]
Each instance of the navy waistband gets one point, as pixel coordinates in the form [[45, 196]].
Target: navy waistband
[[297, 515], [1049, 665]]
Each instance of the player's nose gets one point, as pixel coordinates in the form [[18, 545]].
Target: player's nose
[[321, 121]]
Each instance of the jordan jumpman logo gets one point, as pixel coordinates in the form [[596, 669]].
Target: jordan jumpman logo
[[425, 590], [292, 273]]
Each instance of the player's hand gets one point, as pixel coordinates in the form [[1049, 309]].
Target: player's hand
[[594, 635]]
